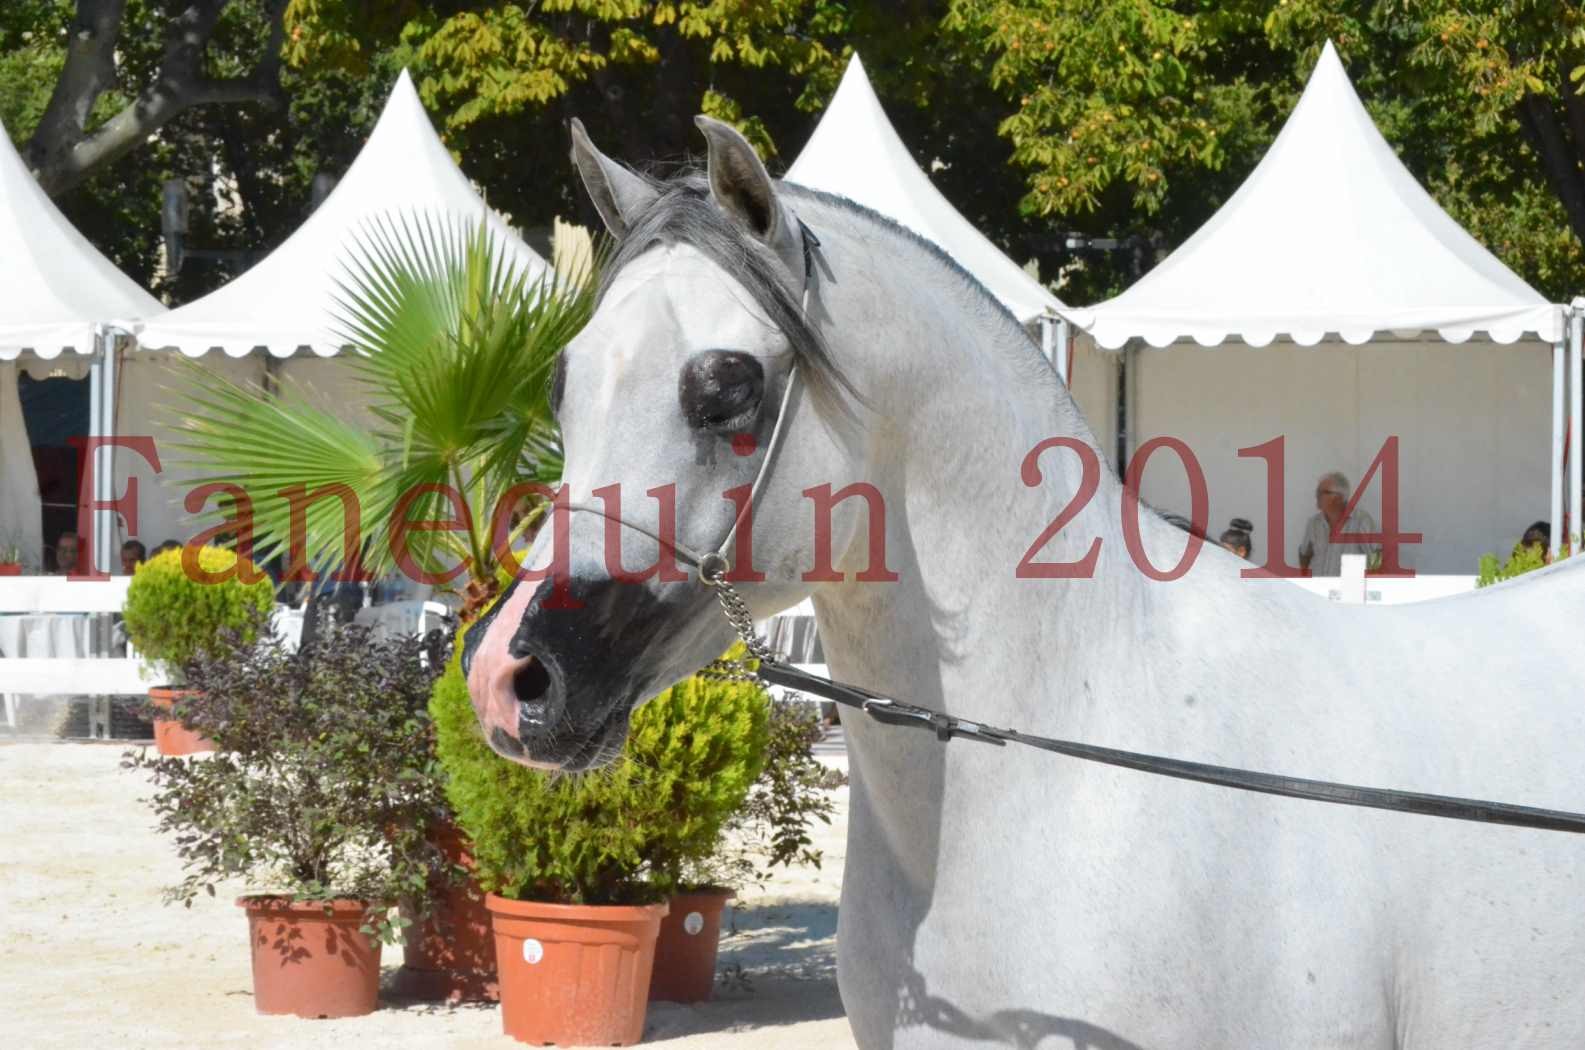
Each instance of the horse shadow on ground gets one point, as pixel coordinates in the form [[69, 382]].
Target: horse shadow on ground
[[1020, 1028]]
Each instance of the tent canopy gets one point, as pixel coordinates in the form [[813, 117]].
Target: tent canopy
[[287, 301], [54, 285], [855, 153], [1330, 236]]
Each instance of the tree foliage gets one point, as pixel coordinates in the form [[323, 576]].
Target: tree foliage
[[1108, 117], [1138, 116]]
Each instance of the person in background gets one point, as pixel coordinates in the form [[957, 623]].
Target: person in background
[[168, 545], [67, 554], [133, 554], [1238, 537], [1319, 555], [1538, 537]]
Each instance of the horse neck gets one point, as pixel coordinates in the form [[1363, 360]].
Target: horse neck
[[959, 397]]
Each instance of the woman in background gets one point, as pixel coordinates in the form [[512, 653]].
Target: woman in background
[[1238, 537]]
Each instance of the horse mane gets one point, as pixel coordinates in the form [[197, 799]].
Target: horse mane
[[930, 248]]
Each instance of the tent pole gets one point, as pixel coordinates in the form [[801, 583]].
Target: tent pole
[[96, 395], [1047, 341], [1559, 365], [107, 461], [1122, 410], [1576, 405], [1065, 350]]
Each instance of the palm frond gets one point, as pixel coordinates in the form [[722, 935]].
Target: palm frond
[[453, 340]]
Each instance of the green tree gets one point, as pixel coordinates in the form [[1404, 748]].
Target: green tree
[[1139, 116]]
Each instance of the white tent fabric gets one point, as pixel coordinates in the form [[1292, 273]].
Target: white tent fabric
[[288, 299], [20, 523], [1330, 236], [55, 286], [855, 153]]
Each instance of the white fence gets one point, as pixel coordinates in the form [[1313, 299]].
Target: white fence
[[70, 620], [56, 639]]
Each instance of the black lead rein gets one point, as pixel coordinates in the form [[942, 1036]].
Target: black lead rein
[[947, 727]]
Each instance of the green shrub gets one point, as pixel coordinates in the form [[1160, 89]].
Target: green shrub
[[617, 835], [172, 618], [323, 780], [1525, 559], [772, 827]]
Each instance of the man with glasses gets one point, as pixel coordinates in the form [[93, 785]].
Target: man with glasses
[[1321, 553]]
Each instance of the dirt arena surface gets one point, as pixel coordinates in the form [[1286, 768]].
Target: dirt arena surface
[[90, 957]]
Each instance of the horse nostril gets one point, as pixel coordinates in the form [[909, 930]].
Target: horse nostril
[[531, 681]]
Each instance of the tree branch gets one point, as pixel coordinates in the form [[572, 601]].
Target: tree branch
[[62, 157], [89, 71], [1558, 160]]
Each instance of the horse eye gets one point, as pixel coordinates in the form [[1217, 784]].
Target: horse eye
[[721, 389]]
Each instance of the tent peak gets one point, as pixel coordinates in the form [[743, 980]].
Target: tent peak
[[856, 153], [1330, 235]]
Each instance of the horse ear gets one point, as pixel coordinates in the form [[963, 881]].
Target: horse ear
[[618, 193], [742, 188]]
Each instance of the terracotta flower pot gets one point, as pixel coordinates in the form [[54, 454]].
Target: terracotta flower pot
[[10, 568], [574, 975], [310, 959], [685, 951], [450, 956], [170, 736]]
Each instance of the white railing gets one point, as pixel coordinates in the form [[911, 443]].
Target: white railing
[[71, 621], [1353, 587], [82, 610]]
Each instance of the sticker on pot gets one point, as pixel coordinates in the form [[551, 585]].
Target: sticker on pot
[[533, 951], [693, 923]]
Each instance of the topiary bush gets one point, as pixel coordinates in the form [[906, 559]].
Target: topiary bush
[[617, 835], [173, 618]]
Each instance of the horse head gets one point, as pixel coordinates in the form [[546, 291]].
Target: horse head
[[667, 404]]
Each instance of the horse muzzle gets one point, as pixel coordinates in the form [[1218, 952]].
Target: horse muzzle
[[554, 670]]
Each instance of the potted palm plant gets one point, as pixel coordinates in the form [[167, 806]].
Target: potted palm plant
[[322, 772], [180, 606], [580, 869], [453, 343]]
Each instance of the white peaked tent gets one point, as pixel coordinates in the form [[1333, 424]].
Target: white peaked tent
[[1331, 241], [57, 294], [1330, 236], [855, 153], [287, 302]]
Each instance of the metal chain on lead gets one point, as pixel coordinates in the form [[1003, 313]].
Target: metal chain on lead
[[712, 573]]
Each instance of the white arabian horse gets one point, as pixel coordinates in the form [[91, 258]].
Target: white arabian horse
[[999, 895]]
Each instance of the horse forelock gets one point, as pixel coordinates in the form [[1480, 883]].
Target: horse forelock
[[683, 213]]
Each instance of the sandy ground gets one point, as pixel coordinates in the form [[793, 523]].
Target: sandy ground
[[90, 957]]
